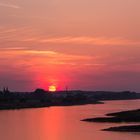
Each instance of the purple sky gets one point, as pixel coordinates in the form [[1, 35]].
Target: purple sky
[[82, 44]]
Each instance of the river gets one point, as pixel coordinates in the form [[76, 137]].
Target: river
[[63, 123]]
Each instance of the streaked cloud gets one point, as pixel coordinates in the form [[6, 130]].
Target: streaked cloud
[[8, 5], [32, 35], [79, 40], [12, 48], [42, 52], [90, 40], [53, 57]]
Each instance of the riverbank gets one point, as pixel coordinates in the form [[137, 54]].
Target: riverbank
[[11, 106], [130, 128], [119, 117]]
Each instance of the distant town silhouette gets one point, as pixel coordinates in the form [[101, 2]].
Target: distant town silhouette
[[43, 98]]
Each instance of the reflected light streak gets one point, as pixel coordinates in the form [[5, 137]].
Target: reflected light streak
[[56, 118]]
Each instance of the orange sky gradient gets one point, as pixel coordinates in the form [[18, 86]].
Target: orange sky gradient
[[81, 44]]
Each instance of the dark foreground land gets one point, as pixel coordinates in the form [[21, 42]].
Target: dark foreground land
[[118, 117], [130, 128], [42, 98]]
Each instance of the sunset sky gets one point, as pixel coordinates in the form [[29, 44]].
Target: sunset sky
[[81, 44]]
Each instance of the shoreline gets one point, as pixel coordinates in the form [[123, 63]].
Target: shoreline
[[130, 116], [126, 128], [118, 117], [17, 107]]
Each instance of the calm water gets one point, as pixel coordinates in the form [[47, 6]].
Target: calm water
[[63, 123]]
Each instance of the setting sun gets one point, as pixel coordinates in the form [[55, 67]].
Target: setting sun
[[52, 88]]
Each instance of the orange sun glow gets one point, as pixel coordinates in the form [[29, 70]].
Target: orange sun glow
[[52, 88]]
